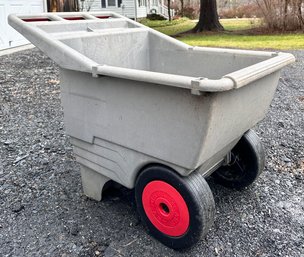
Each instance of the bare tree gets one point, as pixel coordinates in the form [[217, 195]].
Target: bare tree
[[299, 6], [208, 19], [282, 15]]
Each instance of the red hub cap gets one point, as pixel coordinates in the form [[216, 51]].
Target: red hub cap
[[166, 208]]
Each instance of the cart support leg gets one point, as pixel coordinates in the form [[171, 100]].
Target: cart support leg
[[92, 182]]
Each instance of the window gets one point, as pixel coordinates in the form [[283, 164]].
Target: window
[[110, 3], [142, 3]]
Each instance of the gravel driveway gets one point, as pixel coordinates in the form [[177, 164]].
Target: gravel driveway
[[44, 213]]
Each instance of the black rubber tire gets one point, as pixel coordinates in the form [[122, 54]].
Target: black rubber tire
[[248, 161], [195, 192]]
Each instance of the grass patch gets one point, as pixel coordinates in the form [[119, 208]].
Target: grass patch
[[163, 23], [240, 24], [281, 42], [170, 28], [184, 24], [226, 39]]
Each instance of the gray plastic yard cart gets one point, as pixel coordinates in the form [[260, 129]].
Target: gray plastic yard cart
[[157, 115]]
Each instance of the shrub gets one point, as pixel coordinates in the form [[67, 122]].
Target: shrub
[[243, 11], [191, 12], [155, 17]]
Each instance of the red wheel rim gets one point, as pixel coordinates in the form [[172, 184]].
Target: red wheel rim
[[166, 208]]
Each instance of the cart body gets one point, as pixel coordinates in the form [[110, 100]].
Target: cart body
[[133, 96]]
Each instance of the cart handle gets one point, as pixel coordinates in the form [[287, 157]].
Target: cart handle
[[196, 85], [228, 82], [257, 71], [77, 61]]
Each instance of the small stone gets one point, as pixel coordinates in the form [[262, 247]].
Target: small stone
[[74, 230], [288, 183], [298, 177], [110, 252], [286, 159], [115, 198], [10, 148], [45, 161], [17, 208], [97, 253], [20, 158]]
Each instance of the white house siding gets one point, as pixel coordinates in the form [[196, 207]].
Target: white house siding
[[141, 11], [96, 5], [128, 10], [8, 36]]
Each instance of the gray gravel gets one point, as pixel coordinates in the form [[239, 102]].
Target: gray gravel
[[44, 213]]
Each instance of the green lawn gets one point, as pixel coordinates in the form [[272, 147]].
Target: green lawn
[[170, 28], [228, 39], [281, 42], [240, 24]]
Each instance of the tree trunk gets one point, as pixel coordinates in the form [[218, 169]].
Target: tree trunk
[[62, 5], [208, 19], [169, 10], [299, 12], [182, 8], [285, 15]]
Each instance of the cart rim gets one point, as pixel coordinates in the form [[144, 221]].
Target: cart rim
[[166, 208]]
